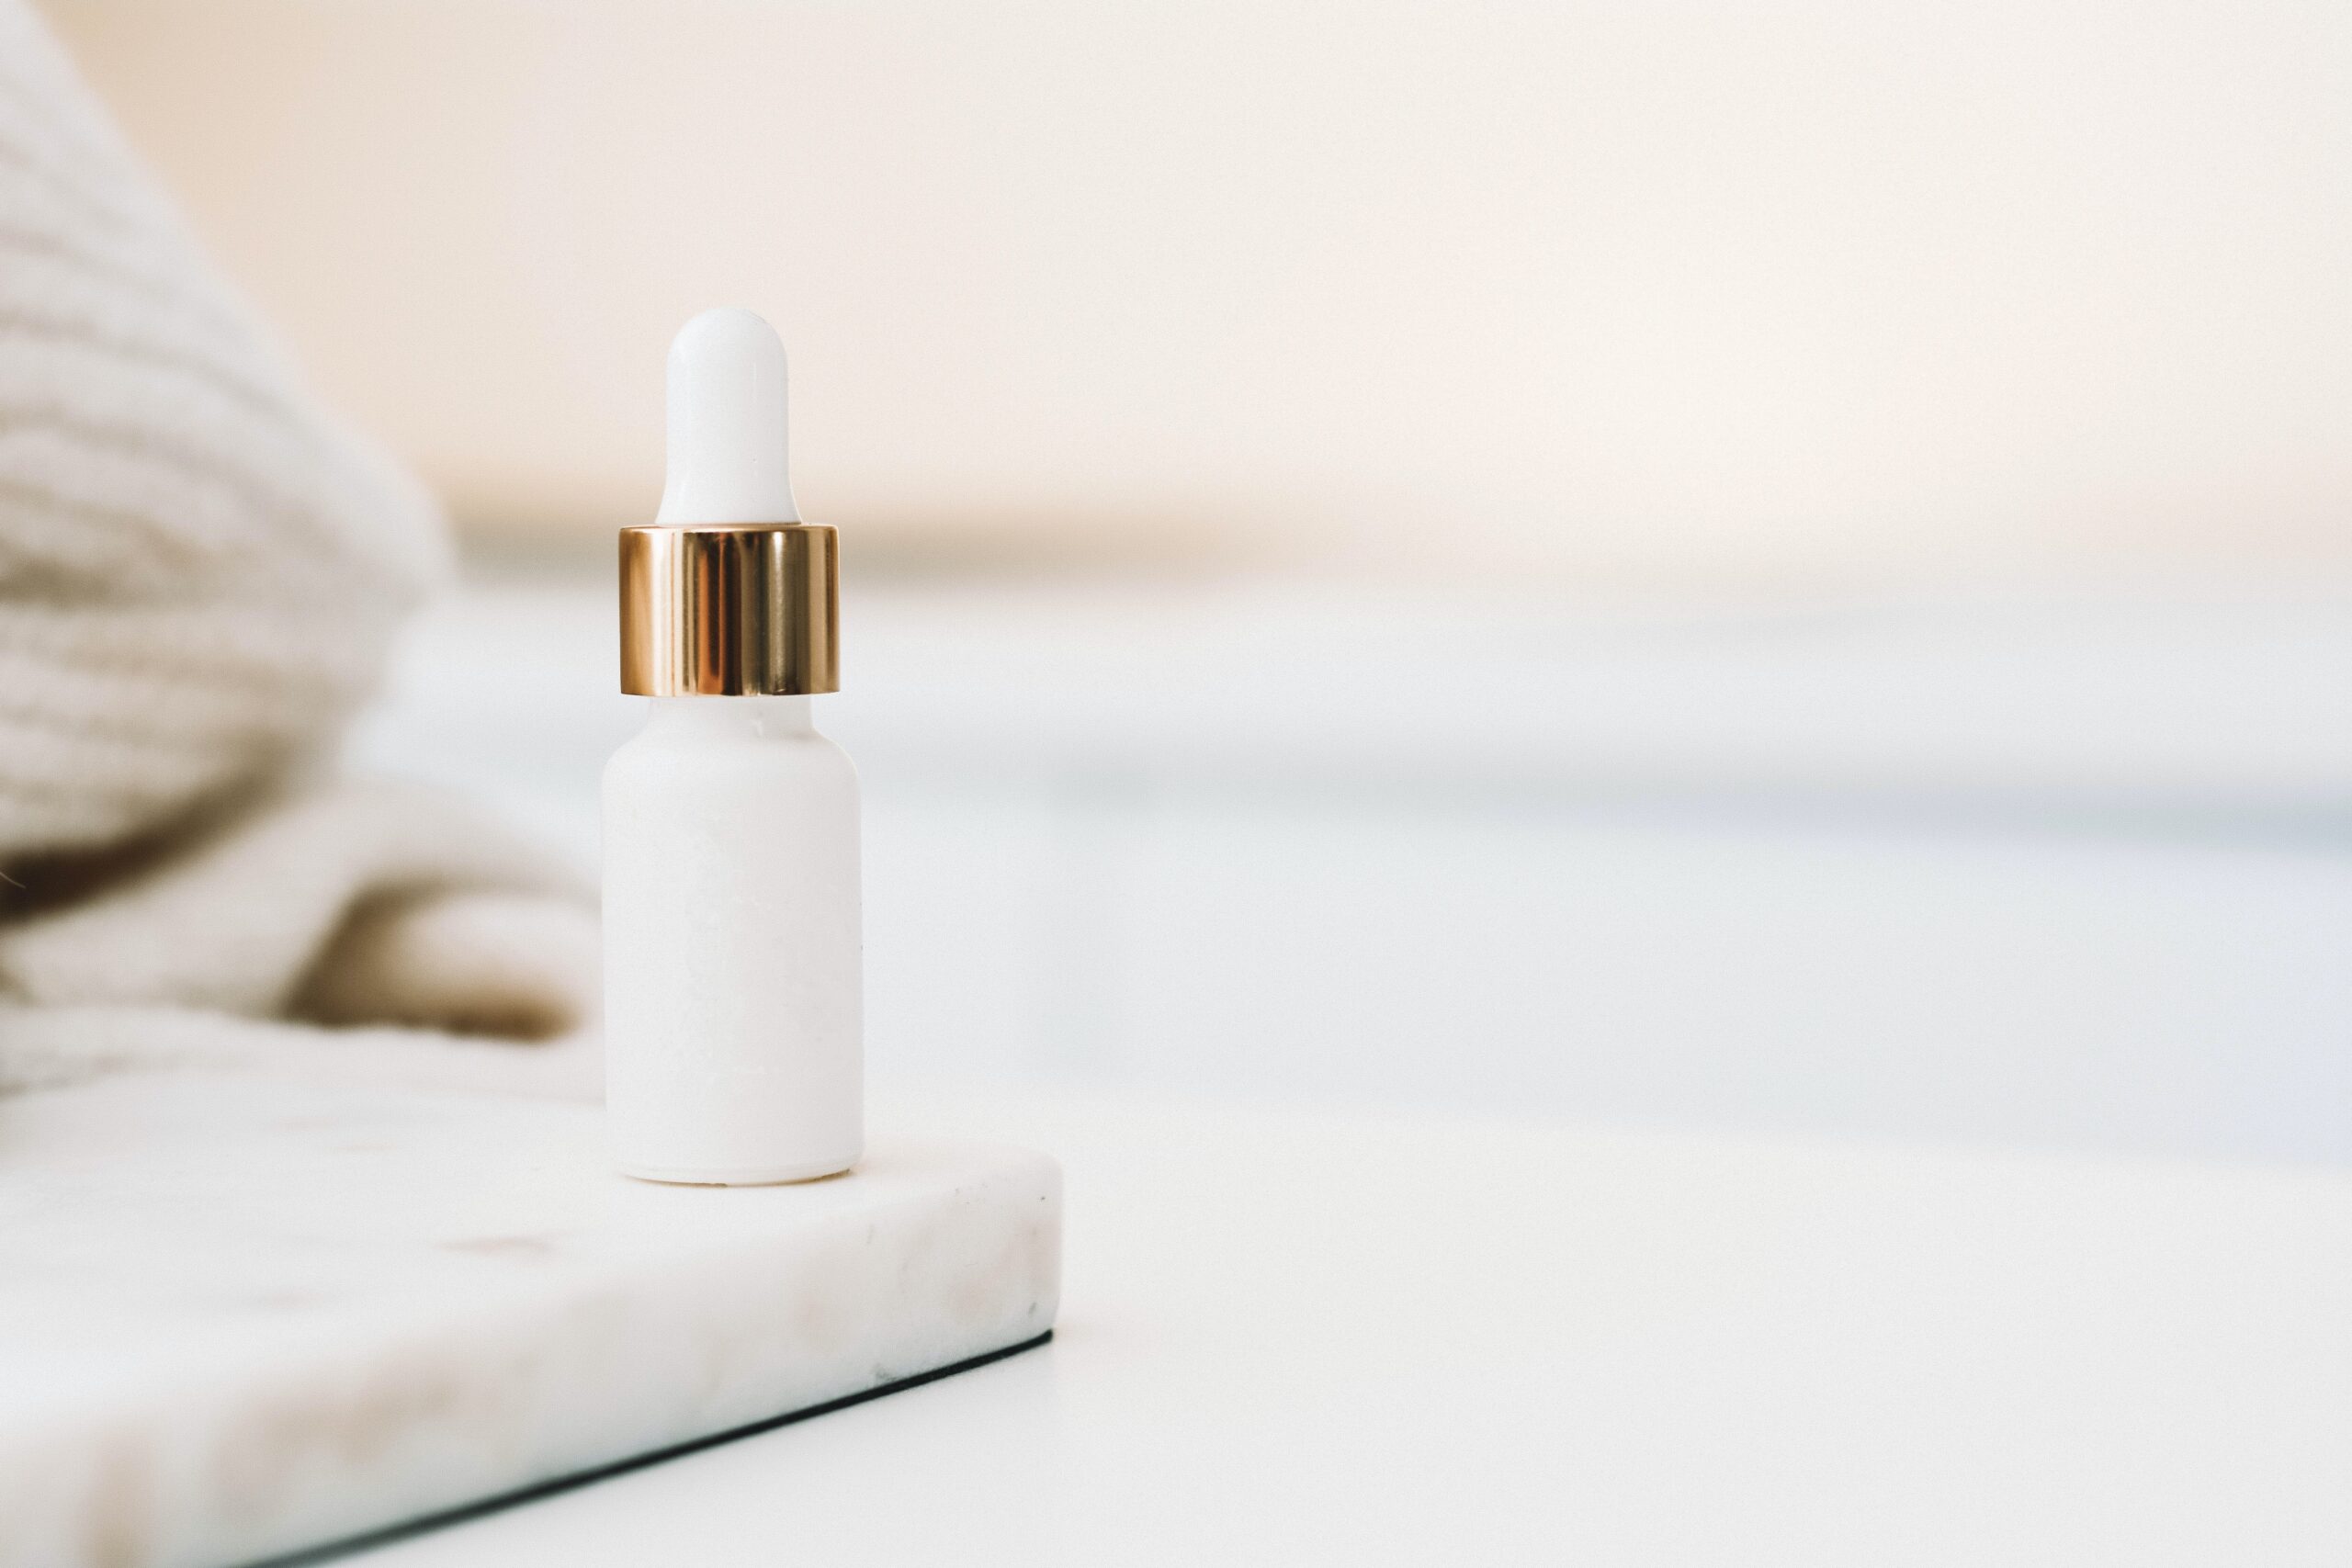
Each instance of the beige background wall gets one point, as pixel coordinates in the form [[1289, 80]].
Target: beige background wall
[[1823, 291]]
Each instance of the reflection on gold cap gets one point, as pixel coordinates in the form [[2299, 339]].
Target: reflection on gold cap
[[730, 610]]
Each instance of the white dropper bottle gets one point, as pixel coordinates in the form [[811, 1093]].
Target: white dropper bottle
[[732, 946]]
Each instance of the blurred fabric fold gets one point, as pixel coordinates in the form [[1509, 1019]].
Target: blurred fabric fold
[[201, 576]]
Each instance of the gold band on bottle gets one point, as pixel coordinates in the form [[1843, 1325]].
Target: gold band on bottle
[[730, 610]]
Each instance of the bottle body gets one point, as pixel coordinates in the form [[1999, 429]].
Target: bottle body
[[733, 989]]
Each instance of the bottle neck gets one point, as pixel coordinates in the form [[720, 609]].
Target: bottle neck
[[742, 718]]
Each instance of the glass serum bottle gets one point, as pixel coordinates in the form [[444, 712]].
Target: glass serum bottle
[[732, 942]]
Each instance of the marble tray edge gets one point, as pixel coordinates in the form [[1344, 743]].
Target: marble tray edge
[[326, 1552]]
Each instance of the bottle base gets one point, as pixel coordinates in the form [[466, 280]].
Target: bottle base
[[757, 1175]]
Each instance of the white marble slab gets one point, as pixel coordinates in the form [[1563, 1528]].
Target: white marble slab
[[239, 1317]]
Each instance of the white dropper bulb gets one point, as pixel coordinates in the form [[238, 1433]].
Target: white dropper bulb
[[729, 460]]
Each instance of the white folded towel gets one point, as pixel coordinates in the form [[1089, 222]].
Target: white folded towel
[[200, 576]]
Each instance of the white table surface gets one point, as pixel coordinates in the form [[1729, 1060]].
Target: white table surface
[[1296, 1337]]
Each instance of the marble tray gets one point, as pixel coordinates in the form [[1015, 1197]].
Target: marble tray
[[240, 1318]]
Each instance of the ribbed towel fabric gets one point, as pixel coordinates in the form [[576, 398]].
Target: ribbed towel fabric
[[200, 574]]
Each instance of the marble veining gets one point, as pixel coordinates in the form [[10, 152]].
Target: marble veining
[[239, 1316]]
